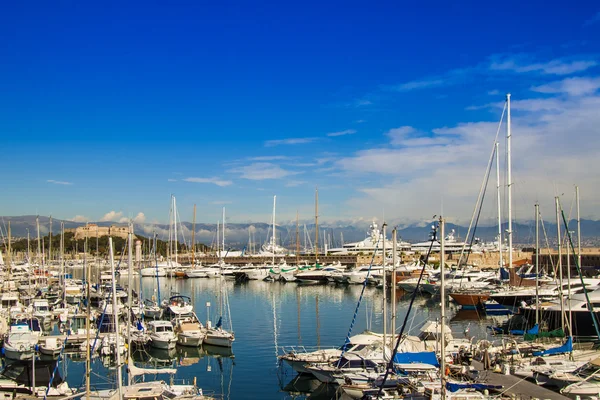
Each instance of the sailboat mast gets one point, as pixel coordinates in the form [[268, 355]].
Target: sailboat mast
[[8, 254], [175, 227], [500, 261], [560, 271], [274, 239], [578, 227], [116, 318], [384, 307], [223, 232], [39, 242], [218, 241], [129, 295], [28, 247], [62, 262], [443, 309], [316, 225], [88, 358], [393, 283], [194, 237], [50, 241], [297, 238], [537, 264], [509, 181]]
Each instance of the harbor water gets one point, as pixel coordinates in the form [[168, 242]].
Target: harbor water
[[265, 317]]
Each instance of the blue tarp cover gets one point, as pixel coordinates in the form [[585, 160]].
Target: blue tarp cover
[[454, 387], [565, 348], [533, 331], [425, 357]]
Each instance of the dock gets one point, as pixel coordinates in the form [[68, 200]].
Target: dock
[[515, 387]]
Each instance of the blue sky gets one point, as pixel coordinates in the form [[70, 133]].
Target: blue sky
[[389, 108]]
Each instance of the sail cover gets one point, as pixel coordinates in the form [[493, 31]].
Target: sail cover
[[565, 348], [423, 357], [136, 371]]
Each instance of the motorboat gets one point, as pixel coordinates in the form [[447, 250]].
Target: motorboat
[[189, 331], [360, 274], [299, 357], [319, 274], [41, 309], [21, 341], [52, 346], [178, 305], [111, 343], [162, 335]]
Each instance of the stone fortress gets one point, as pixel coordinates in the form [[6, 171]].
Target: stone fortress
[[93, 230]]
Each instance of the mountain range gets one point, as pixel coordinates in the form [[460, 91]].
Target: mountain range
[[240, 234]]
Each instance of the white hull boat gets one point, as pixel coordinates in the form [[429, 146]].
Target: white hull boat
[[153, 272]]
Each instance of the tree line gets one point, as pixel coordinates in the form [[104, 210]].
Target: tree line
[[96, 246]]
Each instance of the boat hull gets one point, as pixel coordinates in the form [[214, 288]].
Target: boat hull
[[470, 300], [163, 344], [190, 340]]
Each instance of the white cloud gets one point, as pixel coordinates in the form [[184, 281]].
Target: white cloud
[[497, 64], [171, 180], [359, 121], [269, 158], [407, 136], [290, 141], [572, 86], [215, 181], [293, 183], [59, 182], [419, 84], [140, 218], [112, 216], [342, 133], [521, 64], [80, 218], [261, 171], [555, 141]]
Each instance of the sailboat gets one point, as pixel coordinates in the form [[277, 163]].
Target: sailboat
[[217, 336]]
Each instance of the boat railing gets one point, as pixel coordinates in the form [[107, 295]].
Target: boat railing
[[297, 349]]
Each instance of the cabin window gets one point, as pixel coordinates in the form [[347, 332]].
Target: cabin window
[[355, 364]]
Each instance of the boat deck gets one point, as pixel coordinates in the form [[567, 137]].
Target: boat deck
[[516, 387]]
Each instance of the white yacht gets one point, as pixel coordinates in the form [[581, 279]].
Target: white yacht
[[373, 241], [451, 245], [359, 275], [153, 272]]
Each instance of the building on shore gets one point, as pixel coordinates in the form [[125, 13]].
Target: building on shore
[[93, 230]]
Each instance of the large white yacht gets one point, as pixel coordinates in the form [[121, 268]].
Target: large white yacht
[[451, 245], [373, 241]]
